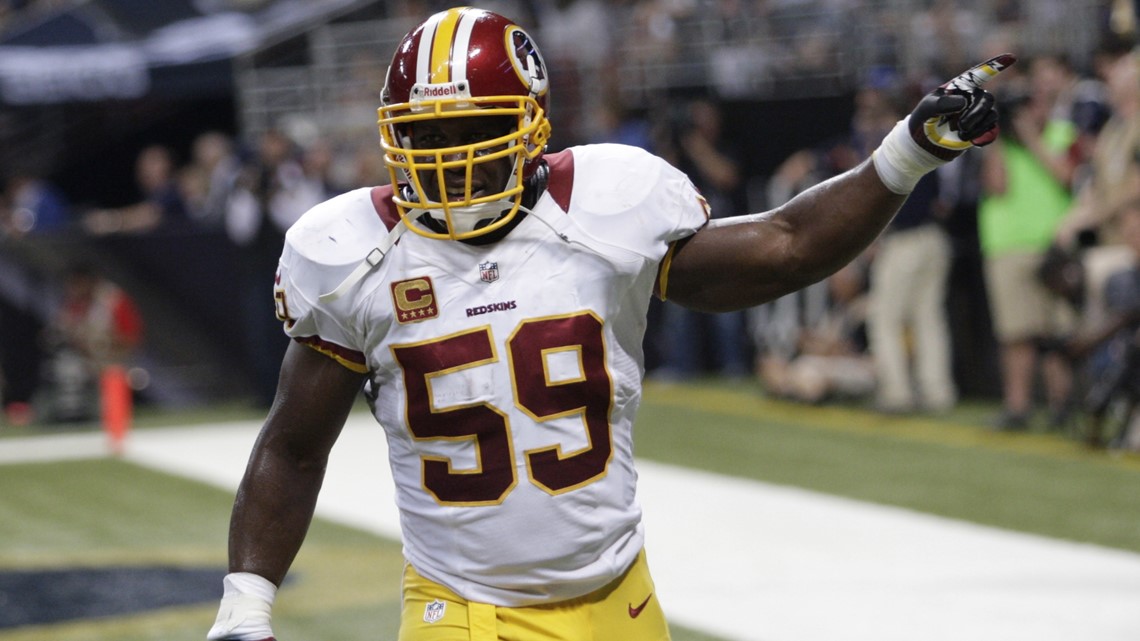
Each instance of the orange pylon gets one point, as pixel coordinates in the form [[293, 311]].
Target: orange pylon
[[117, 405]]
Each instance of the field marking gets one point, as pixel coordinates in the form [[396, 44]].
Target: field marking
[[70, 446], [854, 420], [751, 561]]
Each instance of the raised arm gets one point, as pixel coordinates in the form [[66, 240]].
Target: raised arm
[[741, 262], [278, 494]]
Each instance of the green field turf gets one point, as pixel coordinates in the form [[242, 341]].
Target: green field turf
[[952, 466], [344, 587]]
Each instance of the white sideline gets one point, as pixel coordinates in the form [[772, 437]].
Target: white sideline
[[67, 446], [750, 561]]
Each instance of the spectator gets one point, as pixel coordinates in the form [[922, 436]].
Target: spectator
[[976, 370], [33, 205], [96, 325], [946, 32], [22, 310], [270, 193], [873, 117], [162, 202], [578, 39], [318, 160], [1026, 177], [800, 351], [909, 275], [618, 123], [365, 167], [714, 164], [207, 181], [812, 344], [1115, 177], [1114, 180], [1112, 350]]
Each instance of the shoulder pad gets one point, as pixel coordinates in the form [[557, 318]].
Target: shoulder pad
[[626, 197], [340, 231], [620, 177]]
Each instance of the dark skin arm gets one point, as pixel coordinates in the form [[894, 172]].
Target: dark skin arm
[[724, 266], [278, 494], [741, 262]]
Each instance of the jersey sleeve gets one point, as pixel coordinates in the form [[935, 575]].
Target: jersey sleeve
[[632, 198], [318, 256]]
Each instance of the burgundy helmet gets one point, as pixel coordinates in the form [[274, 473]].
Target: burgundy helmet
[[458, 63]]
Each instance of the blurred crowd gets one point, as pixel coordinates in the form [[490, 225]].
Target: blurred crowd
[[1053, 203], [1043, 225], [249, 194]]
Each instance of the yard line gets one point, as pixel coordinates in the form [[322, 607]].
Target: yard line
[[751, 561], [757, 562], [747, 404], [67, 446]]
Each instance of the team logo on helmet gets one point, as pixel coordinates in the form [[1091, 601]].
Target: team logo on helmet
[[527, 61]]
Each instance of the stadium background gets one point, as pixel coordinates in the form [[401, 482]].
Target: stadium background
[[785, 74], [104, 514]]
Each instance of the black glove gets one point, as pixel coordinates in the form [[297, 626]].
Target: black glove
[[959, 114], [948, 121]]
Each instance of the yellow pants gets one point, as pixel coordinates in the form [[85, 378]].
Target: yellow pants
[[626, 609]]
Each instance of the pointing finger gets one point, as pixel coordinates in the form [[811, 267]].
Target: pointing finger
[[975, 77]]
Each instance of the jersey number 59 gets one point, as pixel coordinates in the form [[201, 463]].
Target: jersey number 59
[[589, 396]]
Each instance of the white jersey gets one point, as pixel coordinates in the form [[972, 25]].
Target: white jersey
[[507, 375]]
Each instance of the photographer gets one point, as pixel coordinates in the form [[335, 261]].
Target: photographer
[[1026, 177], [1111, 351]]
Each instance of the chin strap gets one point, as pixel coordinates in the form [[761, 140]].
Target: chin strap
[[534, 187], [368, 264], [486, 212]]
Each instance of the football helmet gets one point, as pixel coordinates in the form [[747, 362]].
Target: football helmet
[[459, 63]]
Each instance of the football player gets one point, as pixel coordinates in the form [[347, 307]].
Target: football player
[[491, 303]]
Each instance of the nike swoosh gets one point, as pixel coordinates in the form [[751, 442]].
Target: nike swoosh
[[636, 612]]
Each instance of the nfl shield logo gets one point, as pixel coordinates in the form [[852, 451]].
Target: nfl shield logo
[[434, 611], [488, 272]]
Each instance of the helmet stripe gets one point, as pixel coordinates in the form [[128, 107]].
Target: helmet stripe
[[441, 49], [423, 51], [462, 42]]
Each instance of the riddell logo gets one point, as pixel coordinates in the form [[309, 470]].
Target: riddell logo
[[438, 91]]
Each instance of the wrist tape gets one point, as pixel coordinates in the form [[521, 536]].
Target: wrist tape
[[900, 162], [245, 609]]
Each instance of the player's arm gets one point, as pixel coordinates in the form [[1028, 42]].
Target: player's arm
[[278, 494], [740, 262]]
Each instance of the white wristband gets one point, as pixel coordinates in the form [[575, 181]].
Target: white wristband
[[900, 162], [245, 609]]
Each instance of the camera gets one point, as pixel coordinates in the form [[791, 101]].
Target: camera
[[1009, 103]]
